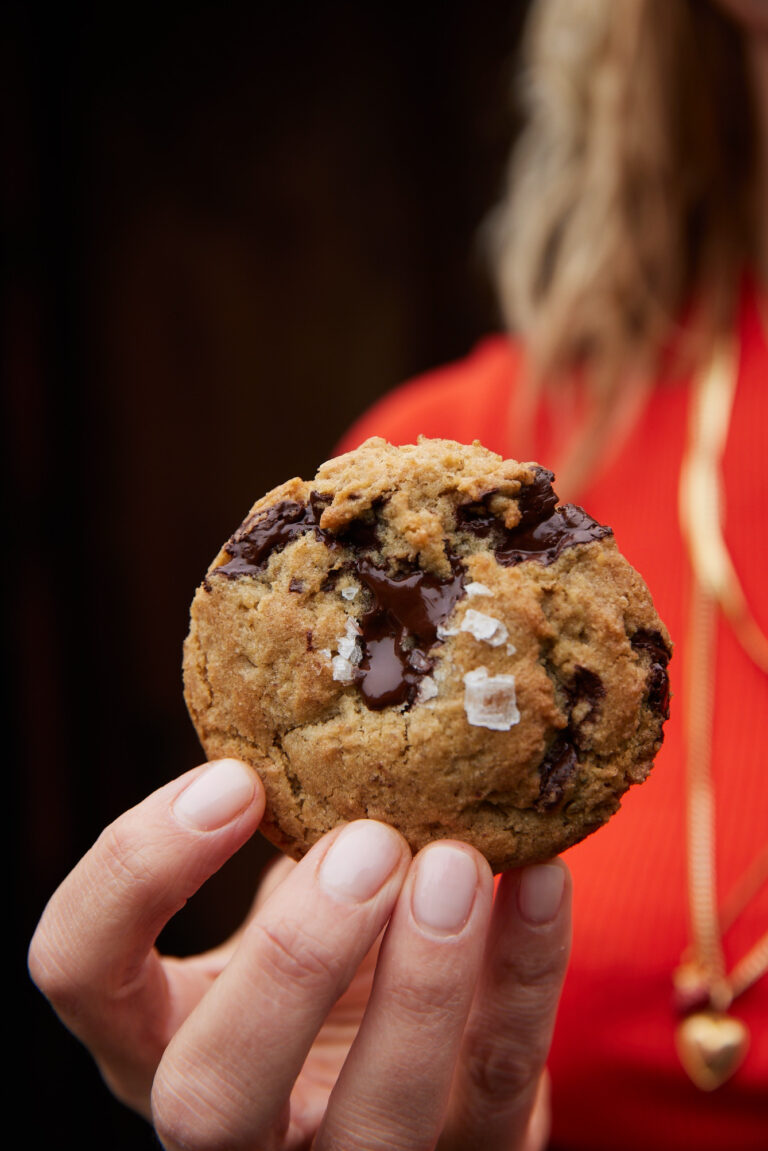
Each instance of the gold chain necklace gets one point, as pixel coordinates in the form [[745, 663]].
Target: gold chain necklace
[[712, 1043]]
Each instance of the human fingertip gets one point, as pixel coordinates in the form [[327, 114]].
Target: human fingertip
[[540, 893], [444, 888], [361, 860], [215, 797]]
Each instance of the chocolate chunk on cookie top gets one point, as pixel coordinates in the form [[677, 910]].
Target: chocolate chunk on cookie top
[[421, 635]]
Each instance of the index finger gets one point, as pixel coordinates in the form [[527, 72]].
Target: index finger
[[92, 953]]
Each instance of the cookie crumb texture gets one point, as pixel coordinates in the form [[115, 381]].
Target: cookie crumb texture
[[421, 635]]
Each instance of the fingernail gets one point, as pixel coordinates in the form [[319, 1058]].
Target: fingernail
[[216, 796], [444, 888], [360, 860], [540, 893]]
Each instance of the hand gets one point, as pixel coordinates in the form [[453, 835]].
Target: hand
[[302, 1028]]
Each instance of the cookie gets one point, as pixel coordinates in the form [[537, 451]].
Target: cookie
[[421, 635]]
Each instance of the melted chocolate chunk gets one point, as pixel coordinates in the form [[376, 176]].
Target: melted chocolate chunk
[[658, 690], [362, 534], [319, 503], [544, 530], [418, 602], [562, 759], [333, 577], [544, 541], [537, 500], [477, 519], [557, 767], [401, 624], [587, 687], [251, 547], [652, 643], [387, 674]]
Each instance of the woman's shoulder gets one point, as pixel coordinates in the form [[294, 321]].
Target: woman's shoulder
[[464, 400]]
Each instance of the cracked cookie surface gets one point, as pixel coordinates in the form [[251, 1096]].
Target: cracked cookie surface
[[421, 635]]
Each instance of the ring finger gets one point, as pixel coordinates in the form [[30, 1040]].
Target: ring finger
[[394, 1087]]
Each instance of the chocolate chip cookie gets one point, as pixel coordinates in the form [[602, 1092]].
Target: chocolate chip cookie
[[421, 635]]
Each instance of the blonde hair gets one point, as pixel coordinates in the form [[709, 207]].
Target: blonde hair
[[632, 187]]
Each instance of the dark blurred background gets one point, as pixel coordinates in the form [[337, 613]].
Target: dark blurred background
[[229, 228]]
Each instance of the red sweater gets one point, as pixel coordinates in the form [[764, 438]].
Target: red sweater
[[617, 1082]]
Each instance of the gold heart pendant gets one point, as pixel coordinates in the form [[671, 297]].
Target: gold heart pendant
[[711, 1047]]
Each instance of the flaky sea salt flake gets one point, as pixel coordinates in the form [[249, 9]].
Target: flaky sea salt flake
[[348, 646], [484, 627], [490, 700], [343, 671], [477, 588], [349, 649]]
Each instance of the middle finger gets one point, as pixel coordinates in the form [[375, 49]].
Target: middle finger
[[394, 1086], [227, 1075]]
